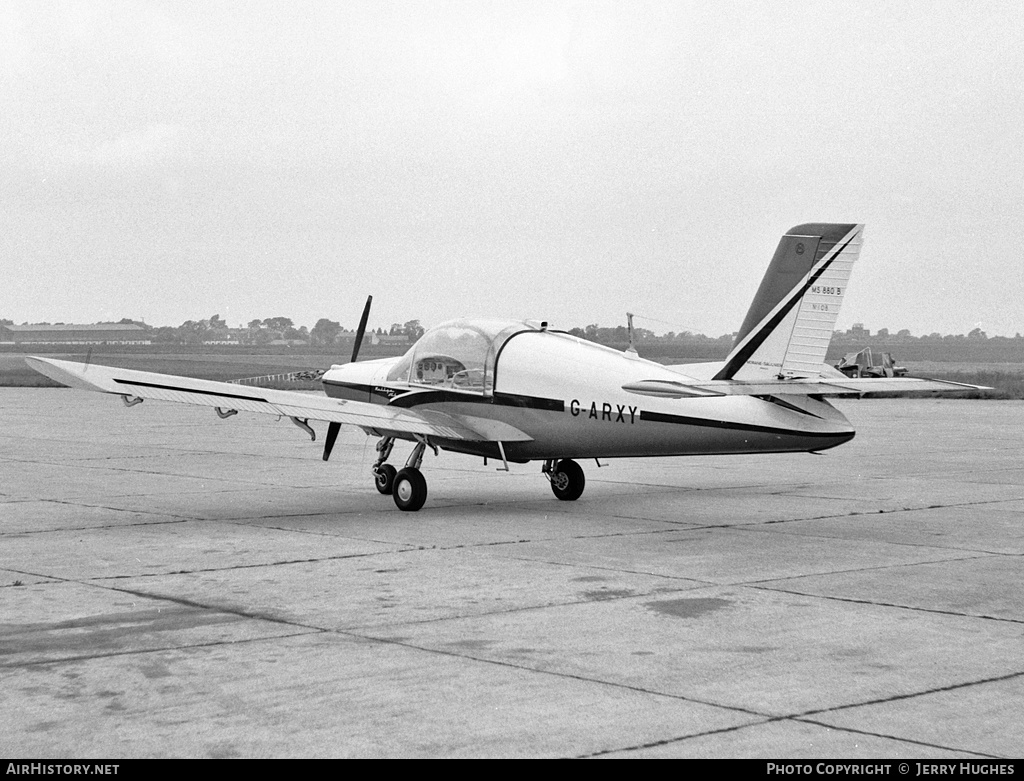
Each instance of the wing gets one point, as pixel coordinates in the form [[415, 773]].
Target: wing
[[304, 406], [671, 389]]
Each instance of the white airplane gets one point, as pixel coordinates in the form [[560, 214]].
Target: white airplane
[[519, 391]]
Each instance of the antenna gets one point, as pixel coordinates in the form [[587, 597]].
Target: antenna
[[632, 346]]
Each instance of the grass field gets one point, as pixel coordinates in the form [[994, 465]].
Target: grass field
[[1006, 378], [14, 372], [1006, 384], [931, 368]]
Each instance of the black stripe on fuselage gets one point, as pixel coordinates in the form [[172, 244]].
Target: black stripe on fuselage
[[190, 390], [370, 390], [529, 402], [416, 398], [729, 370], [661, 417]]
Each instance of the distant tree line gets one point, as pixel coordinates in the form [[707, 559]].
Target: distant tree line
[[973, 346], [270, 330]]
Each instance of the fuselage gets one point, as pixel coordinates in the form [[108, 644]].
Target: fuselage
[[567, 395]]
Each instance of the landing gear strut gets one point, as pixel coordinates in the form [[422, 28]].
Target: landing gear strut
[[567, 479], [384, 474], [407, 486]]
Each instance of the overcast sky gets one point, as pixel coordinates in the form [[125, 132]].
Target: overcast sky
[[566, 161]]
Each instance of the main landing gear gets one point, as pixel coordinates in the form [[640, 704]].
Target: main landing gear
[[567, 479], [407, 486], [410, 489]]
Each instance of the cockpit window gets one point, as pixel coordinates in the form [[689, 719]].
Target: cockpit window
[[457, 355]]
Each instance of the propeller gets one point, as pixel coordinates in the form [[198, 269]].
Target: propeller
[[333, 428], [361, 329]]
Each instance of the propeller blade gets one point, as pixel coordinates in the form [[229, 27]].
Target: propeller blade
[[362, 329], [334, 428], [332, 434]]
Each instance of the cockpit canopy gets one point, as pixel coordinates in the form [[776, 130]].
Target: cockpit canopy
[[457, 355]]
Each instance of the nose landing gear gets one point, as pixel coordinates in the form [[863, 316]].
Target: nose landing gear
[[384, 478], [384, 474]]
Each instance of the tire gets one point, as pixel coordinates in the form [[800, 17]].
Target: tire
[[410, 490], [568, 481], [384, 478]]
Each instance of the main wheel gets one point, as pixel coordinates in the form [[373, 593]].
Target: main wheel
[[384, 478], [567, 480], [410, 489]]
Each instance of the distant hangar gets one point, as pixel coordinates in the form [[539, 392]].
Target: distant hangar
[[98, 333]]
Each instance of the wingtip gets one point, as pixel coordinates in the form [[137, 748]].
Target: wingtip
[[46, 367], [36, 363], [66, 373]]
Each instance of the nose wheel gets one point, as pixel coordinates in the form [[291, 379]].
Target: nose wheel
[[384, 478]]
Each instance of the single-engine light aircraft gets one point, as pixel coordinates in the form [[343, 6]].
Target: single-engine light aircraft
[[519, 391]]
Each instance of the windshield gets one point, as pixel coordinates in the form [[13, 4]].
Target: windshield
[[459, 354]]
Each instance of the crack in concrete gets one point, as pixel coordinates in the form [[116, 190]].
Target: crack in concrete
[[671, 741], [912, 741], [911, 695], [879, 603], [79, 504], [738, 728], [139, 651], [229, 568], [776, 521]]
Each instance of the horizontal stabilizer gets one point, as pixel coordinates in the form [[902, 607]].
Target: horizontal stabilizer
[[670, 389]]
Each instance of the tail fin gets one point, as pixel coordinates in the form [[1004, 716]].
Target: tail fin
[[789, 325]]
